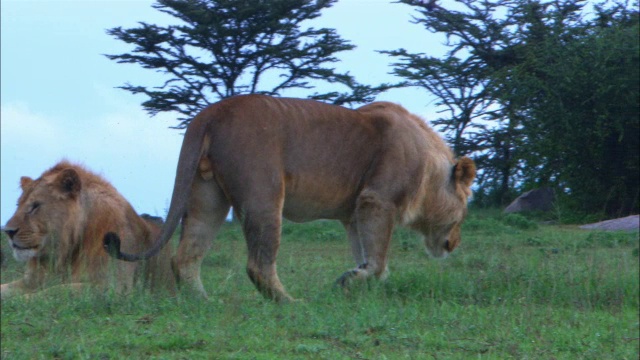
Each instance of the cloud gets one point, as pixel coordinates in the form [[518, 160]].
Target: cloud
[[21, 127], [137, 154]]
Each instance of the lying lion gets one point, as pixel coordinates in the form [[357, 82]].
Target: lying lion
[[58, 229], [272, 157]]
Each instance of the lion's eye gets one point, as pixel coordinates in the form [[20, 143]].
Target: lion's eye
[[34, 207]]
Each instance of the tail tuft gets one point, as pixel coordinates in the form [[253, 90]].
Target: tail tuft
[[111, 244]]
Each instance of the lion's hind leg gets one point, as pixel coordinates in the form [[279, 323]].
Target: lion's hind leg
[[207, 211]]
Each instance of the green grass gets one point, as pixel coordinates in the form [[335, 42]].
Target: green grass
[[514, 289]]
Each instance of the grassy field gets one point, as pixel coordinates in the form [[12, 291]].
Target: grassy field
[[513, 290]]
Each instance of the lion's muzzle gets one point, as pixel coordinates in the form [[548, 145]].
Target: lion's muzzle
[[11, 232]]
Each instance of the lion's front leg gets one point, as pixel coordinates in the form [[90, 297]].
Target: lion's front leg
[[357, 249], [369, 234], [32, 281], [12, 289], [263, 240]]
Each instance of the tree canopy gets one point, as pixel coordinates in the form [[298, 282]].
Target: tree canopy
[[223, 48], [540, 93]]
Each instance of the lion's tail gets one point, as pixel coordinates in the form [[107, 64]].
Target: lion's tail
[[188, 160]]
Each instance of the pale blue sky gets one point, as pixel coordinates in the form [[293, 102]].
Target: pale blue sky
[[58, 95]]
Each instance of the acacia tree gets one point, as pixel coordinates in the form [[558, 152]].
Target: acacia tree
[[581, 91], [528, 84], [477, 121], [223, 48]]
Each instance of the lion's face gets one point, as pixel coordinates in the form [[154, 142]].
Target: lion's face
[[440, 241], [442, 233], [42, 215]]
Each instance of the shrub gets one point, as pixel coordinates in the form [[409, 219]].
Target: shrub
[[520, 222]]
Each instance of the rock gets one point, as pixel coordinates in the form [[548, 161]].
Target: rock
[[629, 223], [533, 200], [156, 219]]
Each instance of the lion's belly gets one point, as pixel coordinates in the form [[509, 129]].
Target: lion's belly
[[303, 212], [312, 199]]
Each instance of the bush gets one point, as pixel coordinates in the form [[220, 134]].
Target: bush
[[519, 221]]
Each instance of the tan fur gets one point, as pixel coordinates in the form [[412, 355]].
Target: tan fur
[[58, 229], [272, 157]]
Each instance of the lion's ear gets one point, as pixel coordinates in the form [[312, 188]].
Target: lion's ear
[[25, 181], [464, 171], [69, 182]]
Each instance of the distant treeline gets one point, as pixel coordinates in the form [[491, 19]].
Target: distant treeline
[[539, 93]]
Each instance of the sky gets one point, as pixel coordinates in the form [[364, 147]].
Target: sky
[[59, 97]]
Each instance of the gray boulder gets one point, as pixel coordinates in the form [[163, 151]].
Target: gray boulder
[[156, 219], [534, 200], [629, 223]]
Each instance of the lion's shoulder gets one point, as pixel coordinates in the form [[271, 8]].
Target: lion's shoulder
[[384, 106]]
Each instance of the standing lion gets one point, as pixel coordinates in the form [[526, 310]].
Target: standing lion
[[369, 168], [58, 229]]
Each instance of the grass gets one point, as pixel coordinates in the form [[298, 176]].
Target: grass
[[514, 289]]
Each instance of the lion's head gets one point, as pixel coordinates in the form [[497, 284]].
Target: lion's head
[[446, 210], [442, 235], [439, 206], [47, 211]]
